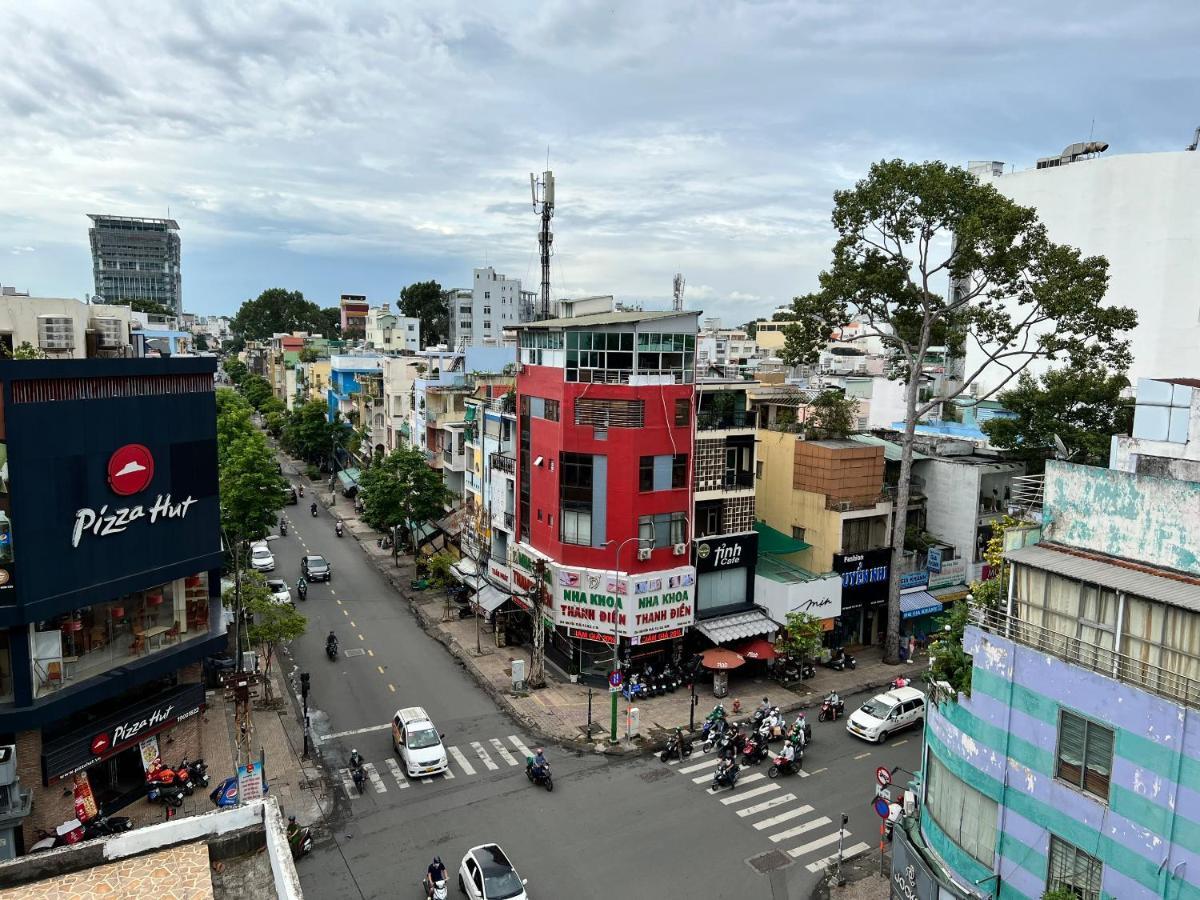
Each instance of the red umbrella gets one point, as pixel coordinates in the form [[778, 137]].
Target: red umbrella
[[720, 658], [759, 648]]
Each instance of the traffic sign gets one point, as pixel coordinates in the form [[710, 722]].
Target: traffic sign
[[882, 807], [883, 776], [614, 679]]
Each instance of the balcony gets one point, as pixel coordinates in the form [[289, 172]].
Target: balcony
[[713, 421], [837, 504], [504, 463], [1170, 685], [730, 482]]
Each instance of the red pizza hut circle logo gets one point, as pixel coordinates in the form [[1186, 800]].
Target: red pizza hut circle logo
[[100, 743], [130, 470]]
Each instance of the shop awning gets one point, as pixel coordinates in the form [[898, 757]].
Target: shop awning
[[489, 598], [453, 523], [465, 570], [918, 603], [348, 477], [737, 626], [776, 542]]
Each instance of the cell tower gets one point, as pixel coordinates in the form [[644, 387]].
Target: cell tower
[[679, 283], [545, 236]]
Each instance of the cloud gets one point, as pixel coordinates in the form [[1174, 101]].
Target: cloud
[[310, 143], [17, 251]]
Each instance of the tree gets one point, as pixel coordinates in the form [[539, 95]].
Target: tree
[[256, 389], [235, 369], [425, 301], [26, 350], [329, 321], [252, 490], [308, 434], [1016, 295], [402, 489], [1085, 408], [309, 354], [831, 415], [150, 307], [275, 311], [200, 341], [802, 636], [948, 661], [270, 623]]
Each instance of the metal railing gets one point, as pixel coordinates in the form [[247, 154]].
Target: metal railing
[[1110, 663], [711, 421], [504, 463]]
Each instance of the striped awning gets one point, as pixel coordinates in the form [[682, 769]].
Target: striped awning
[[918, 603], [737, 626]]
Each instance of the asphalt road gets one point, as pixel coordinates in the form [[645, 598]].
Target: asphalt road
[[627, 828]]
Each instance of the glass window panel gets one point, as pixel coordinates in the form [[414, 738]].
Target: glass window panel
[[627, 341]]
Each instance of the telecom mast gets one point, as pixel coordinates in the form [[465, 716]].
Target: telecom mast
[[545, 236], [679, 283]]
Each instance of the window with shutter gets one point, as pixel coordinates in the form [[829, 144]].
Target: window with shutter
[[1084, 754], [1073, 870]]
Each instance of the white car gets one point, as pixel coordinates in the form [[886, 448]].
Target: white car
[[261, 558], [486, 874], [885, 714], [280, 592], [418, 743]]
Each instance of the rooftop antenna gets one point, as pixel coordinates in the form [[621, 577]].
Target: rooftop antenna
[[1060, 450], [543, 194], [679, 283]]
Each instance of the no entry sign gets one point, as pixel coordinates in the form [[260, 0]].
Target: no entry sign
[[883, 776]]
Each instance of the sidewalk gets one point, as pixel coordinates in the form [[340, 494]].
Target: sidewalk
[[558, 713]]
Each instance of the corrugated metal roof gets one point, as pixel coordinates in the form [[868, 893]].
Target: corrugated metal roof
[[1109, 574], [610, 318], [891, 450], [737, 626]]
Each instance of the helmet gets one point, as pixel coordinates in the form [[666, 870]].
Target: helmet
[[291, 820], [353, 751], [437, 860]]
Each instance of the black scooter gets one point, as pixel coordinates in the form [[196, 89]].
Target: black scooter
[[331, 649], [313, 510], [676, 747], [282, 528], [338, 529]]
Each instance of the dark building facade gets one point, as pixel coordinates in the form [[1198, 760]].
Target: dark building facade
[[110, 558], [136, 259]]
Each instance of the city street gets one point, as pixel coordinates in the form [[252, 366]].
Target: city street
[[636, 828]]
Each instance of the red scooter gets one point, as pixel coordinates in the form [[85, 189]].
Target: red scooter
[[782, 766], [832, 709]]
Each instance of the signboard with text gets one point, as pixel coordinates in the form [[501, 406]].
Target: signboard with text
[[864, 577], [729, 552], [641, 604], [952, 572]]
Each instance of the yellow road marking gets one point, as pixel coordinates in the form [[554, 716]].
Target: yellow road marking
[[392, 688], [380, 668], [339, 603], [360, 637], [370, 653]]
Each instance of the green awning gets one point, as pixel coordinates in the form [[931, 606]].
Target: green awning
[[776, 542], [469, 415], [348, 478]]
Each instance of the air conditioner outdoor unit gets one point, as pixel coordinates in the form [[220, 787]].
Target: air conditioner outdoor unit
[[644, 553], [679, 549], [110, 332], [56, 332]]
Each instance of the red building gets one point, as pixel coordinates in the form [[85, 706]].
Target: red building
[[604, 466]]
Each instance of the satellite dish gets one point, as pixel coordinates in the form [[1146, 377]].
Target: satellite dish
[[1060, 450]]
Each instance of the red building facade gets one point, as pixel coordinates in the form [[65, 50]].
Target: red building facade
[[604, 464]]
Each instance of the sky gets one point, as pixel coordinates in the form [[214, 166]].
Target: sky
[[353, 147]]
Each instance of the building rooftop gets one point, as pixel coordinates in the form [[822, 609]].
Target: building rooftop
[[608, 318], [98, 217]]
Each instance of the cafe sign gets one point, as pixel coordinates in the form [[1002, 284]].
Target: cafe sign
[[634, 604]]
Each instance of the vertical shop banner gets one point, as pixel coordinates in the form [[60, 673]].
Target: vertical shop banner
[[149, 751], [250, 783], [85, 802]]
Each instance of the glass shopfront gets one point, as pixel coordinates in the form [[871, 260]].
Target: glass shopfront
[[85, 642]]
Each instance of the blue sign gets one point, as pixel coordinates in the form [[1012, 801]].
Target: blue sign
[[914, 580], [614, 679], [934, 563], [882, 807]]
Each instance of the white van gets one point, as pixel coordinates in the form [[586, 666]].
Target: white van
[[418, 743], [886, 714]]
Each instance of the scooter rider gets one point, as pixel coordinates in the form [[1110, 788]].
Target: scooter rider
[[356, 759], [302, 587], [282, 528], [313, 508], [338, 527], [331, 641], [435, 873], [789, 752], [293, 830], [539, 762], [300, 489]]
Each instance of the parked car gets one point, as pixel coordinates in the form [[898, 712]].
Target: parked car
[[884, 715], [261, 558], [418, 743], [315, 568], [280, 592], [486, 874]]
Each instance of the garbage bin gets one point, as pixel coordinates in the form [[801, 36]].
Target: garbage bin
[[720, 684]]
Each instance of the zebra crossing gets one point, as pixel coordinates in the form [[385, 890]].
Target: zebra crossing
[[478, 756], [767, 807]]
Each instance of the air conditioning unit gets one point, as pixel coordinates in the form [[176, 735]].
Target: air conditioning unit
[[679, 549], [110, 332], [644, 553], [56, 332]]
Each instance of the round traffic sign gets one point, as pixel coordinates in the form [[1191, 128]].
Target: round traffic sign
[[614, 679], [883, 776], [882, 807]]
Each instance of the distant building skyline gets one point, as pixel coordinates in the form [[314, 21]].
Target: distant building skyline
[[136, 259]]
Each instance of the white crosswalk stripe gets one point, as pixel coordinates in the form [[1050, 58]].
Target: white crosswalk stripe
[[743, 796], [503, 751], [483, 756], [800, 829], [348, 784], [742, 780], [376, 780], [817, 844], [397, 773], [847, 852], [782, 817], [461, 759], [516, 742], [769, 804], [696, 767]]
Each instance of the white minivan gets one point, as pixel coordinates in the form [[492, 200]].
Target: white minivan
[[418, 743], [886, 714]]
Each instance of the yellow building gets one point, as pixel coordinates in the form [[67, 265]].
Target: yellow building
[[318, 380], [769, 335]]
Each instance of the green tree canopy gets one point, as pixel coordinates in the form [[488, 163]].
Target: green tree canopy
[[425, 301], [1015, 295], [252, 490], [150, 307], [400, 489], [309, 354], [831, 415], [273, 311], [801, 638], [256, 389], [200, 341], [235, 369], [330, 322], [1084, 407], [308, 433], [26, 350], [270, 623]]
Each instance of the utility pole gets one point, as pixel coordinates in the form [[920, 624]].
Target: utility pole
[[545, 236], [537, 661], [677, 293]]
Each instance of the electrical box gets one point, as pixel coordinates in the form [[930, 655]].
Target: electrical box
[[633, 722], [518, 674]]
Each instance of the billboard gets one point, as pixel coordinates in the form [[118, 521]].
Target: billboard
[[864, 577]]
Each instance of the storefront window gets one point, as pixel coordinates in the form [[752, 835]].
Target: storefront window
[[81, 644]]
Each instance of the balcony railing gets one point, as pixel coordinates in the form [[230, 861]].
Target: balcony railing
[[504, 463], [1144, 676], [711, 421], [508, 521]]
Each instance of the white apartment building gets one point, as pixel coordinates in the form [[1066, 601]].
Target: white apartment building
[[65, 328], [389, 332], [479, 315]]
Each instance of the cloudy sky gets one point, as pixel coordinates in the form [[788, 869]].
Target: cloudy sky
[[346, 146]]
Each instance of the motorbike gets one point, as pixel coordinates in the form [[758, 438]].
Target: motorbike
[[300, 490], [898, 683], [197, 771], [839, 659], [782, 766], [543, 777], [754, 752], [725, 777], [801, 724], [69, 832], [771, 727], [713, 732], [103, 826], [313, 510], [338, 529], [282, 528], [356, 759], [633, 689], [163, 791], [676, 746], [360, 778], [183, 777], [331, 649], [302, 589], [300, 840], [729, 745], [807, 670], [439, 891], [672, 679], [832, 709]]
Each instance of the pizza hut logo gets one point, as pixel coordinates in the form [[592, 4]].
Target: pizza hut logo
[[130, 470], [101, 743]]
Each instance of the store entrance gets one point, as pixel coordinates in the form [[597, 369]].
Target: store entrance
[[118, 781]]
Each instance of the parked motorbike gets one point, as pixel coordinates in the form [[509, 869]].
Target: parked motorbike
[[807, 670], [633, 689], [676, 746], [541, 777], [672, 679], [839, 659], [781, 766], [183, 777], [725, 776], [69, 832], [754, 752], [299, 838], [197, 771], [164, 792], [832, 708]]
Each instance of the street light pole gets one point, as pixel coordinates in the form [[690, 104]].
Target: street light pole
[[617, 628]]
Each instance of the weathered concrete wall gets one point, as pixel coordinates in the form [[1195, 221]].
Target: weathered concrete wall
[[1138, 517]]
